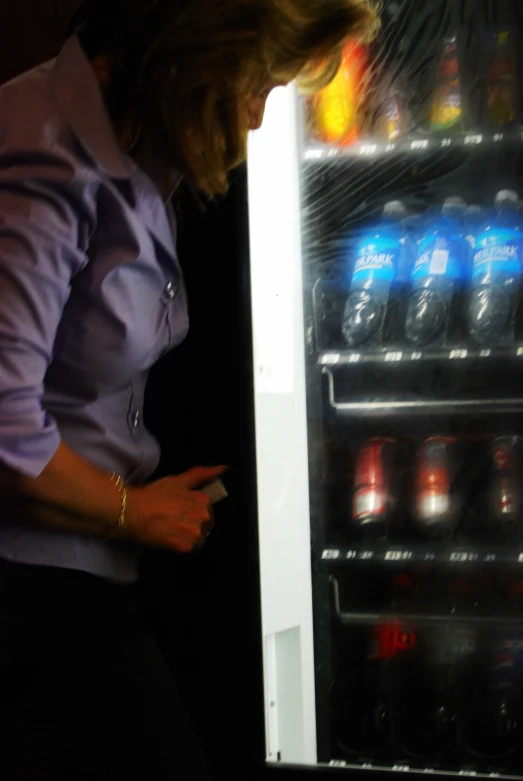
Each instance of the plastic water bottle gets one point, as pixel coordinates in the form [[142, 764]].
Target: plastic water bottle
[[374, 272], [474, 221], [496, 273], [438, 271]]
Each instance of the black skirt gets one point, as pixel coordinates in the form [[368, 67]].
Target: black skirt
[[84, 691]]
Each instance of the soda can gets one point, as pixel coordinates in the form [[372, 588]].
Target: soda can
[[433, 500], [505, 499], [371, 501], [391, 639], [507, 664]]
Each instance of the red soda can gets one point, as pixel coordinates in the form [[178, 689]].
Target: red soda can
[[371, 490], [390, 639], [433, 503], [505, 499]]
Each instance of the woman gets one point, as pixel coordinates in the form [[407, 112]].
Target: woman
[[92, 146]]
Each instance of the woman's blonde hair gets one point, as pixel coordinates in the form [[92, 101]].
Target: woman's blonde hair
[[182, 70]]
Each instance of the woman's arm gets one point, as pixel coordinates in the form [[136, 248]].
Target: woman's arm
[[70, 493], [73, 494]]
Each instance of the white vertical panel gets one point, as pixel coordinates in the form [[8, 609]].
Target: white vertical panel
[[281, 421]]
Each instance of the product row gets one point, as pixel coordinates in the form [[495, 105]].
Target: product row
[[442, 697], [364, 101], [470, 259], [439, 489], [458, 591]]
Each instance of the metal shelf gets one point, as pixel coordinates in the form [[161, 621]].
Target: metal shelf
[[365, 617], [420, 406], [412, 145]]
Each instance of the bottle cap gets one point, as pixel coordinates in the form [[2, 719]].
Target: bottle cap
[[394, 208], [505, 196], [455, 200]]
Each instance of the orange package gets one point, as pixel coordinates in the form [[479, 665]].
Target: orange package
[[335, 111]]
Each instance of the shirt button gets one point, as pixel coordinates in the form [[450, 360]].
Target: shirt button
[[169, 289], [135, 418]]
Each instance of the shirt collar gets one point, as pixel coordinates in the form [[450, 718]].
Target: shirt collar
[[79, 97]]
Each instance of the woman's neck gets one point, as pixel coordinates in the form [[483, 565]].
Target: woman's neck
[[164, 179], [102, 70]]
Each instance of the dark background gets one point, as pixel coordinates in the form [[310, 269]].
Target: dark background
[[204, 606]]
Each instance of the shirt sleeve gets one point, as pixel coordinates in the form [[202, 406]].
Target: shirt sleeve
[[46, 216]]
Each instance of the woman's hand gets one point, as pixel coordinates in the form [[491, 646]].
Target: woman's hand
[[172, 512]]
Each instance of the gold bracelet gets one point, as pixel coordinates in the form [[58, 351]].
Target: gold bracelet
[[119, 483]]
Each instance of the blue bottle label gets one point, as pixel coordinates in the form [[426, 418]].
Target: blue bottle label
[[498, 251], [439, 256], [376, 261]]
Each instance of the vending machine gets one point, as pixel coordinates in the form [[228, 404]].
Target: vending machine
[[386, 239]]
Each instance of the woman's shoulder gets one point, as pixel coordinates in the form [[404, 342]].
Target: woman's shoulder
[[33, 128], [59, 108], [41, 160], [28, 111]]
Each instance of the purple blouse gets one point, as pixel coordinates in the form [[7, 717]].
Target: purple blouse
[[91, 295]]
